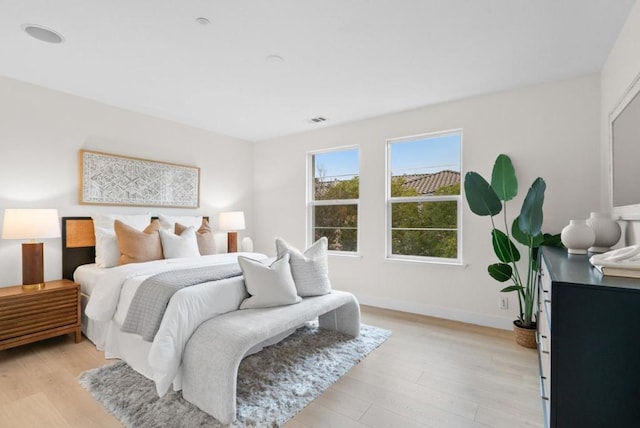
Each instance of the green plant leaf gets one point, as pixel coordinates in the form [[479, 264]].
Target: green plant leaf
[[500, 272], [481, 197], [512, 288], [552, 240], [504, 248], [524, 238], [503, 178], [530, 219]]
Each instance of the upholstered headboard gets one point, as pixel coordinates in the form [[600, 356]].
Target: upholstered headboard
[[78, 243]]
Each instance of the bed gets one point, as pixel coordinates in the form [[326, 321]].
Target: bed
[[107, 294]]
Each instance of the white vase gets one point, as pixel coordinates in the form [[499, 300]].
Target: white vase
[[607, 232], [577, 237], [246, 245]]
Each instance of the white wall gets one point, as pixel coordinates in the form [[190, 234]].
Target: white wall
[[618, 73], [550, 130], [42, 130]]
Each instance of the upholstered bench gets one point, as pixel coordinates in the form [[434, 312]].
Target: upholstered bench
[[214, 351]]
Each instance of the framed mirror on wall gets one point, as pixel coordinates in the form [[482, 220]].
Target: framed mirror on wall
[[624, 168]]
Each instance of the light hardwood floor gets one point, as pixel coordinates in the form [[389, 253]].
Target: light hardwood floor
[[430, 373]]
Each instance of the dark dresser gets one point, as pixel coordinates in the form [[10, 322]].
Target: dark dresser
[[588, 344]]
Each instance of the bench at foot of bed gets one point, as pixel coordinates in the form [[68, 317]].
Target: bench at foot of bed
[[213, 354]]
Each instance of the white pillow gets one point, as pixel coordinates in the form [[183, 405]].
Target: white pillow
[[107, 251], [183, 245], [268, 285], [310, 269], [168, 222]]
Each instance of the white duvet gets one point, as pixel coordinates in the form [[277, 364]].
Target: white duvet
[[186, 310]]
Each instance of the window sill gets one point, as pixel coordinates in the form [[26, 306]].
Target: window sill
[[457, 264], [345, 254]]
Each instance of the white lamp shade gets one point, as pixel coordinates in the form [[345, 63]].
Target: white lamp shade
[[232, 220], [30, 224]]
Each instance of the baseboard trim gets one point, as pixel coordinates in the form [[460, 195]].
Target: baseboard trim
[[436, 311]]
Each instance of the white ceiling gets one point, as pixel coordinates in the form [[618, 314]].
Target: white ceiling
[[344, 60]]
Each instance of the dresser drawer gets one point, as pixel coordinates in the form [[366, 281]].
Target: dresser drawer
[[544, 291]]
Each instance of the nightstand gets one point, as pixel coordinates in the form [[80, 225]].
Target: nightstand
[[29, 316]]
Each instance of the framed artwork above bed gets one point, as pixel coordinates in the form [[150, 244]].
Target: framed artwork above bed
[[108, 179]]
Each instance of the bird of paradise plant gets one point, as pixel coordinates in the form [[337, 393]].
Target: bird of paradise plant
[[490, 199]]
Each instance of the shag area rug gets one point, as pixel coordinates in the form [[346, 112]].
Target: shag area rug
[[273, 385]]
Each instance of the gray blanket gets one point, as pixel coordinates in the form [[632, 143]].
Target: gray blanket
[[153, 295]]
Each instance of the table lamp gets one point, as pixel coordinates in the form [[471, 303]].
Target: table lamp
[[232, 221], [31, 224]]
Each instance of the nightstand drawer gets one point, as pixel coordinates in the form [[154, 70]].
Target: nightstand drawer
[[28, 316]]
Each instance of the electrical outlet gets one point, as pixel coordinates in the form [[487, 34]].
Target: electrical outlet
[[503, 303]]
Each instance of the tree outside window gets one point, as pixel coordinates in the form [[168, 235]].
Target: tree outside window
[[333, 202], [424, 201]]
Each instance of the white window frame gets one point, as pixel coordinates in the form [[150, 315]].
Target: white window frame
[[425, 198], [312, 203]]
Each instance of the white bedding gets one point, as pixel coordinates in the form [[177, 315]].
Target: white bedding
[[111, 291]]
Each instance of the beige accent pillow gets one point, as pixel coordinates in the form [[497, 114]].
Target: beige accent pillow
[[107, 252], [136, 246], [204, 236]]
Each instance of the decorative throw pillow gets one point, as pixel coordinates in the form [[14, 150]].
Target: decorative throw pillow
[[107, 252], [204, 236], [168, 222], [136, 246], [183, 245], [310, 269], [268, 285]]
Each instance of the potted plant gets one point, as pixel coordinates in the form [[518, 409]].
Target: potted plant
[[490, 199]]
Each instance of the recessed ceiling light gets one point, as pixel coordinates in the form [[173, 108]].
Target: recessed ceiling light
[[203, 21], [42, 33], [274, 59]]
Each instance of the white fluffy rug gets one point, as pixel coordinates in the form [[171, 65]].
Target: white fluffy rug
[[273, 385]]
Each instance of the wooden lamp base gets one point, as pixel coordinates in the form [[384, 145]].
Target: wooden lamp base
[[232, 242], [33, 265]]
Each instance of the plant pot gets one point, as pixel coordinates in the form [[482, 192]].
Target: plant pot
[[525, 336]]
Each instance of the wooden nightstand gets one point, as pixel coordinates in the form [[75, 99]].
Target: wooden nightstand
[[29, 316]]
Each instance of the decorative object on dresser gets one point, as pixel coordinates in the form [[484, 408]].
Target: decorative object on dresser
[[607, 231], [273, 385], [589, 336], [28, 316], [486, 199], [31, 224], [107, 179], [621, 262], [577, 236], [232, 221]]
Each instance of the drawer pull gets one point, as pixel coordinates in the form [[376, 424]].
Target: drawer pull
[[545, 398], [547, 300], [545, 352], [543, 336], [543, 377]]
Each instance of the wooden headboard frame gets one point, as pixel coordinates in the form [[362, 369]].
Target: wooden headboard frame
[[78, 244]]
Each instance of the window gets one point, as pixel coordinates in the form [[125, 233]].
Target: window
[[334, 189], [423, 198]]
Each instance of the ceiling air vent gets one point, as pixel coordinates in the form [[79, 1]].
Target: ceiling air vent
[[318, 119]]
